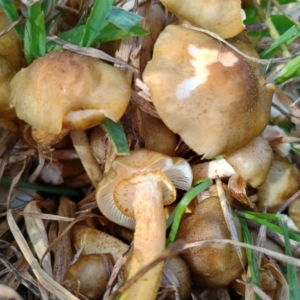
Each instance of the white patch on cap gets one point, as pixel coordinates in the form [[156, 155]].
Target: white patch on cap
[[202, 59]]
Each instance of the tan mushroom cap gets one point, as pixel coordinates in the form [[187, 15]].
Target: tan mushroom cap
[[222, 17], [206, 92], [253, 161], [64, 90], [139, 162]]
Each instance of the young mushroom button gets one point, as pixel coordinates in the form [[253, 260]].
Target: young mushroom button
[[206, 92], [133, 194]]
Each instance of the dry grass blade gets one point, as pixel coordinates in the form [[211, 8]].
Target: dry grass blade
[[237, 188], [116, 271], [257, 290], [67, 229], [8, 293], [11, 26], [257, 60], [63, 250], [144, 105], [43, 278], [223, 294], [44, 216], [13, 272], [229, 219], [38, 236], [92, 52], [275, 255]]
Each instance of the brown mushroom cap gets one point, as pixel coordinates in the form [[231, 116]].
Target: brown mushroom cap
[[222, 17], [206, 92], [64, 90], [281, 183], [91, 274], [253, 161], [124, 168], [211, 265]]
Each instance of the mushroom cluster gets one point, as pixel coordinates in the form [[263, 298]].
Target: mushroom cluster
[[207, 102]]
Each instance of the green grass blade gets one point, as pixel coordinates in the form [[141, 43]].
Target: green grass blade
[[264, 216], [95, 21], [290, 70], [123, 19], [42, 188], [11, 12], [286, 38], [291, 270], [177, 214], [117, 135], [270, 225], [251, 258], [110, 32], [35, 33]]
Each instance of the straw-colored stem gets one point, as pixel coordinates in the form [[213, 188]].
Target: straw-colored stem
[[149, 239], [90, 164]]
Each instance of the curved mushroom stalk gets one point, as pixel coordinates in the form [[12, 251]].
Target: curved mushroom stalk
[[132, 194], [90, 164], [149, 192]]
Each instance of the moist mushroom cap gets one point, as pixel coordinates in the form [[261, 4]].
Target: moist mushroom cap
[[70, 91], [222, 17], [139, 161], [206, 92]]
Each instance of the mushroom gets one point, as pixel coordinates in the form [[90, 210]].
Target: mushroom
[[222, 17], [181, 271], [137, 187], [281, 183], [64, 91], [90, 240], [89, 275], [158, 137], [201, 87], [211, 265], [253, 161]]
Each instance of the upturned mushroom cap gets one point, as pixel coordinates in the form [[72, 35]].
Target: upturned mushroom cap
[[64, 90], [206, 92], [222, 17], [122, 172]]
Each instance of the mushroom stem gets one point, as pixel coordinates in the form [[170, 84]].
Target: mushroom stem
[[90, 164], [150, 231]]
